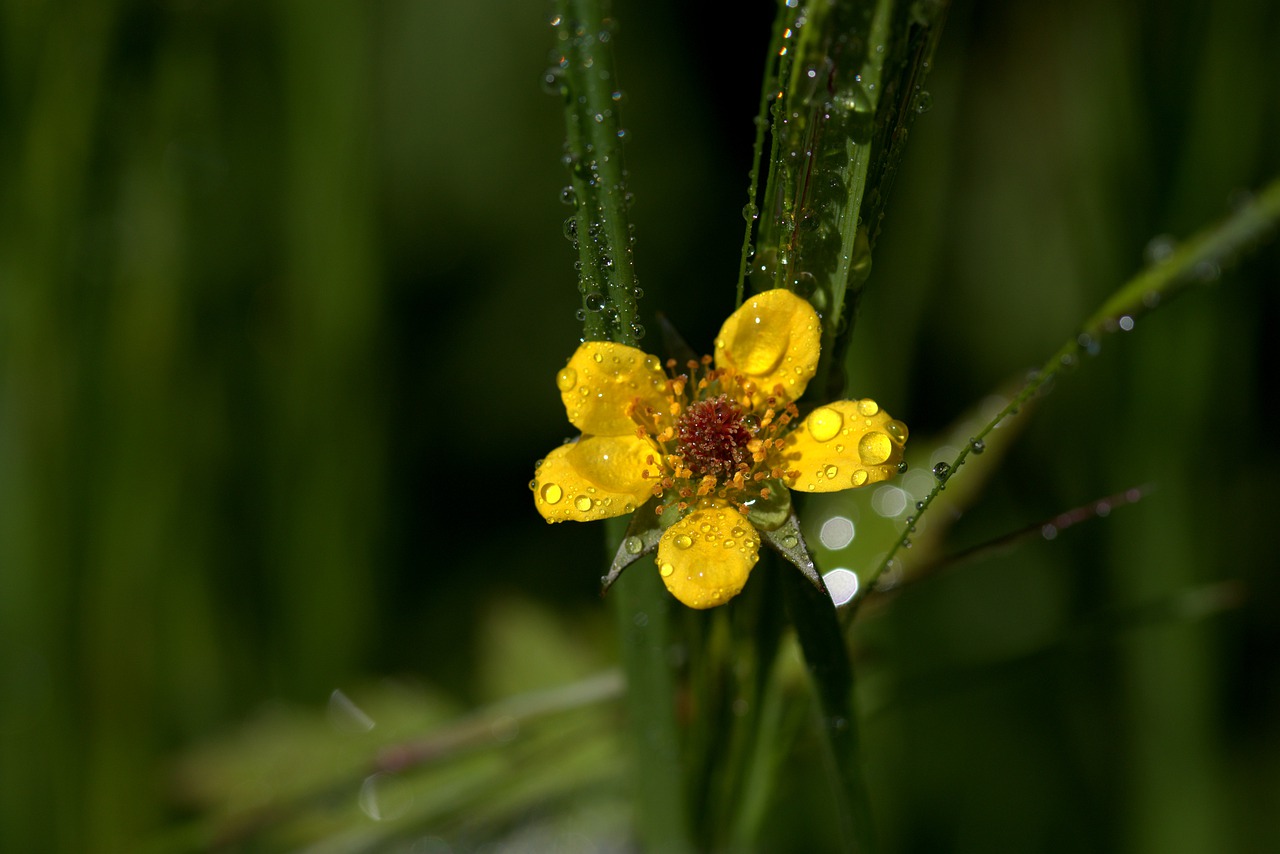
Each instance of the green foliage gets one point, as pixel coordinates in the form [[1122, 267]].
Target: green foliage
[[282, 293]]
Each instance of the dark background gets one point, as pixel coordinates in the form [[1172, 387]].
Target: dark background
[[283, 291]]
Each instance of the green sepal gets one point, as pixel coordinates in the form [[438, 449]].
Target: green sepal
[[643, 533], [772, 513], [787, 541]]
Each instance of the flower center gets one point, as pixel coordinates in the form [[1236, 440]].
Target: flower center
[[713, 438]]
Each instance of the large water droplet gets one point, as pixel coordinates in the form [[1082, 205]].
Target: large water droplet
[[566, 379], [868, 407], [825, 424], [874, 448], [552, 493], [859, 477], [583, 503], [633, 545], [594, 302], [897, 431]]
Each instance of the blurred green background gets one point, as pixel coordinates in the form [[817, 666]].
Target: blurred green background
[[283, 291]]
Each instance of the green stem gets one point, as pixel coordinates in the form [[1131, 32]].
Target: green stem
[[1198, 260], [642, 607], [593, 143], [822, 642]]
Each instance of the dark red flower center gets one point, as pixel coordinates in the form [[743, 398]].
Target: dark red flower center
[[713, 437]]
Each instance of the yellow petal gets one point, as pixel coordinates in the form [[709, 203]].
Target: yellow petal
[[705, 558], [601, 379], [842, 445], [595, 477], [773, 339]]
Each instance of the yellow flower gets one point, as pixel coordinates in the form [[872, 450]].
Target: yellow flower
[[717, 443]]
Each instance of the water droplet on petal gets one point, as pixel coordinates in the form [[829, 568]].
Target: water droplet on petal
[[897, 431], [683, 541], [859, 477], [598, 357], [666, 570], [868, 407], [583, 503], [874, 448], [552, 493], [825, 423], [566, 379], [831, 472]]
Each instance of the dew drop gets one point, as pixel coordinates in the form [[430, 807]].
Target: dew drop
[[551, 81], [683, 541], [902, 467], [924, 101], [566, 379], [583, 503], [874, 448], [868, 408], [594, 302], [831, 472], [598, 357], [666, 570], [977, 445], [942, 471], [790, 541], [859, 477], [552, 493], [825, 423], [566, 195], [897, 431], [633, 545], [1159, 249]]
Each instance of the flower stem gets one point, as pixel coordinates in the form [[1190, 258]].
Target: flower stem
[[643, 608]]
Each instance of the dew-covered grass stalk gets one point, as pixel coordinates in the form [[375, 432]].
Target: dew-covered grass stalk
[[1173, 267], [585, 78], [843, 82]]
